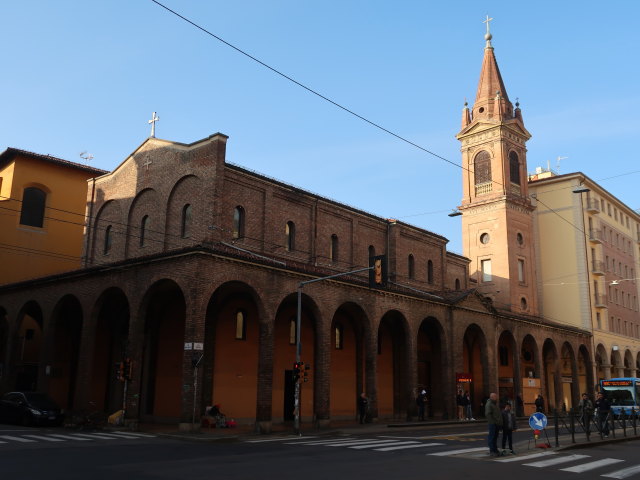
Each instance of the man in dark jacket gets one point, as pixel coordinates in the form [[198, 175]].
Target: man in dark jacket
[[603, 407], [508, 426], [539, 404], [363, 406], [494, 419]]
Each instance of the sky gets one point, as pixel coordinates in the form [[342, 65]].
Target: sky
[[86, 76]]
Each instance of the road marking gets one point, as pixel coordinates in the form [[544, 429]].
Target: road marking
[[46, 439], [526, 457], [94, 436], [16, 439], [624, 473], [457, 452], [592, 465], [282, 439], [358, 442], [555, 461], [470, 434], [421, 445], [322, 442], [360, 447], [111, 436], [70, 437], [135, 434], [126, 435]]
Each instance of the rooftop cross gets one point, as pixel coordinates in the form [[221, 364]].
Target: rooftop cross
[[154, 119], [487, 36]]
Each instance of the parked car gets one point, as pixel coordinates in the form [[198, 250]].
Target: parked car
[[29, 408]]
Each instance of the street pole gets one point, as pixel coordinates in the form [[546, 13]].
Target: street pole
[[297, 387]]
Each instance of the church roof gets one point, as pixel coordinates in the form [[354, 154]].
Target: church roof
[[490, 78], [10, 153]]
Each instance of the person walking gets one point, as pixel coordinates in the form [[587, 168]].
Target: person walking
[[421, 402], [585, 407], [467, 405], [603, 409], [539, 404], [508, 427], [460, 404], [494, 420], [363, 406]]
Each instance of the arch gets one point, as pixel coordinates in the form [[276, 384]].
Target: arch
[[284, 354], [551, 369], [145, 237], [585, 371], [617, 364], [514, 168], [349, 328], [164, 311], [508, 374], [238, 222], [603, 367], [392, 338], [475, 362], [530, 368], [111, 314], [431, 365], [568, 377], [109, 220], [233, 329], [482, 168], [629, 366], [26, 357], [181, 226], [33, 207]]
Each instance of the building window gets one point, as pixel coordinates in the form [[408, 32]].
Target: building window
[[503, 353], [292, 331], [372, 251], [185, 224], [108, 239], [520, 239], [290, 233], [33, 203], [485, 267], [241, 325], [484, 238], [521, 270], [430, 271], [144, 227], [339, 337], [612, 324], [411, 266], [333, 249], [598, 321], [238, 222], [482, 168], [514, 168], [457, 284], [523, 303]]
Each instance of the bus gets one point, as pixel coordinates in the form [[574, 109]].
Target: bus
[[623, 394]]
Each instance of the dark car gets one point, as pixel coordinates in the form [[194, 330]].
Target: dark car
[[29, 408]]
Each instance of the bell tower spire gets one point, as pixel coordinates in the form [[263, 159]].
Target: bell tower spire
[[497, 215]]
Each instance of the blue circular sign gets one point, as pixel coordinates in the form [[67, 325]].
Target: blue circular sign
[[538, 421]]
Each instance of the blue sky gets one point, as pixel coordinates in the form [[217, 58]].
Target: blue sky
[[86, 76]]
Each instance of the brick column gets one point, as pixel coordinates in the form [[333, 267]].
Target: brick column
[[370, 347], [265, 377], [322, 377]]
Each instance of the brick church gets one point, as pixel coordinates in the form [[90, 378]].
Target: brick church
[[192, 260]]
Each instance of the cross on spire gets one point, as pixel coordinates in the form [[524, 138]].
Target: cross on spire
[[154, 119], [487, 36]]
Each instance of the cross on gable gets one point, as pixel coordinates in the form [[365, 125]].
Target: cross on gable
[[154, 119], [146, 164]]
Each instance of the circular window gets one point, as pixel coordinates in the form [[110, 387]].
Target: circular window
[[484, 238], [481, 109], [519, 238], [523, 303]]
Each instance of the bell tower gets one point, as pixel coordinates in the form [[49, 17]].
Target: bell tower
[[497, 214]]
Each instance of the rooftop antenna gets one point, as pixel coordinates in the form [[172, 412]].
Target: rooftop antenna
[[87, 157], [558, 164]]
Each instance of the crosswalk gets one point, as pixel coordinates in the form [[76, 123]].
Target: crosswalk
[[69, 437]]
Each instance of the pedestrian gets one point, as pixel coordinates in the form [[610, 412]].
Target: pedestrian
[[421, 402], [508, 427], [467, 406], [494, 419], [586, 412], [603, 409], [539, 404], [460, 404], [363, 406]]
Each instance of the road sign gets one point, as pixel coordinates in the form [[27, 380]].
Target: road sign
[[538, 421]]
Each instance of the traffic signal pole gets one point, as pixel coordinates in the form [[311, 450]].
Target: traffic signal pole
[[297, 387]]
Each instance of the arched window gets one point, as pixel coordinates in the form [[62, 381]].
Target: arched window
[[241, 325], [333, 249], [108, 239], [33, 201], [144, 227], [514, 168], [238, 222], [372, 251], [185, 225], [457, 284], [482, 168], [430, 271], [290, 233], [411, 267]]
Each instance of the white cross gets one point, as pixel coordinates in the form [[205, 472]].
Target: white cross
[[146, 164], [484, 21], [154, 119]]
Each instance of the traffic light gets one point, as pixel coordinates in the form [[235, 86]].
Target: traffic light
[[297, 368], [378, 271], [307, 367]]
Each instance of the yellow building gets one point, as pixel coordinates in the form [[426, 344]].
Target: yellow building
[[588, 263], [42, 214]]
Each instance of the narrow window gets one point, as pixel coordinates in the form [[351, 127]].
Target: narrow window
[[372, 251], [241, 325], [482, 168], [33, 202], [108, 239], [144, 226], [339, 337], [598, 321], [523, 303], [292, 331], [485, 267], [430, 271], [457, 284], [290, 233], [514, 168], [238, 222], [333, 250], [411, 266], [185, 225], [521, 270]]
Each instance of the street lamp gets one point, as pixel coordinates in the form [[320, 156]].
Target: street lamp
[[455, 213]]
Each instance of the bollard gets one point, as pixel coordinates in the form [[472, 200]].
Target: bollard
[[633, 421], [555, 425], [573, 426], [613, 423], [624, 424]]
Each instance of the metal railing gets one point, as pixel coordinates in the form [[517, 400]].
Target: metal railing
[[603, 425]]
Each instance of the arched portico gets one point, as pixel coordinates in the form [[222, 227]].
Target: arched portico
[[475, 361], [391, 365]]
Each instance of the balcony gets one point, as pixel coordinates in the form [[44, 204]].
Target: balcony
[[484, 188], [593, 205], [595, 236], [600, 300], [515, 189], [597, 267]]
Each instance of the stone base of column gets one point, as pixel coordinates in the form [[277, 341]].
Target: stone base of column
[[188, 427], [264, 427], [323, 423]]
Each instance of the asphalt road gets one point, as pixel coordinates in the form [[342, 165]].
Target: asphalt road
[[456, 452]]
